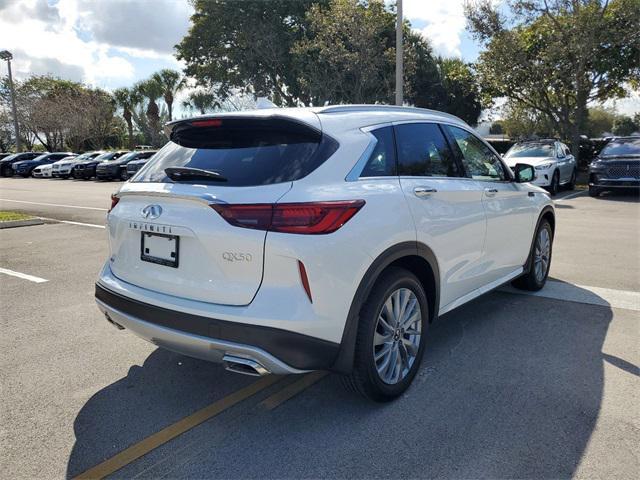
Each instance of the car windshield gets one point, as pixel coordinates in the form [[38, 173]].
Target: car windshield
[[128, 156], [105, 157], [84, 156], [531, 150], [41, 157], [622, 147]]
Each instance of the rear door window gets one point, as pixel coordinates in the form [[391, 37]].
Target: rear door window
[[423, 151], [245, 152]]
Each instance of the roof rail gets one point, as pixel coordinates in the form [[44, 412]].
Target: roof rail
[[384, 108]]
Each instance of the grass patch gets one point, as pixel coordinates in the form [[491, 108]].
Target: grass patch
[[11, 216]]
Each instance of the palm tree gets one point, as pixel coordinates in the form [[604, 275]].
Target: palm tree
[[152, 91], [201, 101], [127, 99], [171, 82]]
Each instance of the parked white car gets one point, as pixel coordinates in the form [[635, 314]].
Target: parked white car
[[554, 164], [289, 240], [64, 168], [43, 171]]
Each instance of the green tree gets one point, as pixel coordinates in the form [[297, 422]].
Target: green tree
[[624, 126], [171, 82], [522, 123], [201, 102], [556, 56], [348, 53], [600, 121], [246, 45], [127, 99]]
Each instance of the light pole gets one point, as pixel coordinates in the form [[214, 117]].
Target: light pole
[[6, 55], [399, 62]]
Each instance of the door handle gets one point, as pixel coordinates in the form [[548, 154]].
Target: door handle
[[490, 192], [424, 191]]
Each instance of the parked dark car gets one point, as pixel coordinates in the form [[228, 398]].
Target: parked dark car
[[617, 166], [6, 163], [25, 167], [87, 169], [134, 165], [117, 168]]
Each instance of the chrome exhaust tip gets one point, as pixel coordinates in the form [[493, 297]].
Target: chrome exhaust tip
[[245, 366]]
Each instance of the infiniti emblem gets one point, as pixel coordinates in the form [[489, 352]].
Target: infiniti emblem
[[151, 211]]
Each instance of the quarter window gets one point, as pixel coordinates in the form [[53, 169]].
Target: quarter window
[[423, 151], [382, 162], [479, 161]]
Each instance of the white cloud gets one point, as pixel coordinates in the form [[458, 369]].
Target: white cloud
[[445, 23], [96, 42]]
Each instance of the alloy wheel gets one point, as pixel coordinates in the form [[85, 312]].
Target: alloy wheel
[[397, 335], [542, 254]]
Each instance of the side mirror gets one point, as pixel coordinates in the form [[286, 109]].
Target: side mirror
[[524, 173]]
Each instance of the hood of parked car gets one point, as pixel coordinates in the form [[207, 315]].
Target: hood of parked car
[[45, 167], [533, 161], [66, 161], [26, 163]]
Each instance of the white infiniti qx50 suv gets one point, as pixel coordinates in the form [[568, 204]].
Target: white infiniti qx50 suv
[[289, 240]]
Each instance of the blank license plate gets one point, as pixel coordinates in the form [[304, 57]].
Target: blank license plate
[[160, 249]]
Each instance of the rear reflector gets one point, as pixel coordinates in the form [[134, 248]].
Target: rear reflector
[[305, 280], [114, 201], [313, 218]]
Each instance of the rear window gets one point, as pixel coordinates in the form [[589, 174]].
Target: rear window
[[246, 152]]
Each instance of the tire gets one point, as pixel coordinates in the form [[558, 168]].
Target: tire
[[369, 376], [7, 172], [124, 176], [572, 183], [594, 192], [555, 184], [535, 279]]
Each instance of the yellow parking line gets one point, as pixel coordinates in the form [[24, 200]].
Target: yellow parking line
[[292, 390], [152, 442]]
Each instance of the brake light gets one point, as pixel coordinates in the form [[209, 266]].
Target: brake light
[[312, 218], [207, 123], [114, 201]]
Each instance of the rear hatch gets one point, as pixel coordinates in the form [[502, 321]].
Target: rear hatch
[[164, 233]]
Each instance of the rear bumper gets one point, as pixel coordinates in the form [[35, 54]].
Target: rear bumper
[[279, 351]]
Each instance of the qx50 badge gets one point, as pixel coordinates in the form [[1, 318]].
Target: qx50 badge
[[151, 211], [237, 257]]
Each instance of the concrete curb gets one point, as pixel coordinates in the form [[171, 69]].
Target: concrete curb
[[21, 223]]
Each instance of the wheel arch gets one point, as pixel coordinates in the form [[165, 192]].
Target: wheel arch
[[413, 256]]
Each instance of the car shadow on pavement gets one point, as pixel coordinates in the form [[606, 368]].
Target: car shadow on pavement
[[166, 388], [510, 386], [621, 196]]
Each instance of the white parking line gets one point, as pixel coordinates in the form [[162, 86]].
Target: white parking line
[[606, 297], [53, 204], [92, 225], [573, 195], [24, 276]]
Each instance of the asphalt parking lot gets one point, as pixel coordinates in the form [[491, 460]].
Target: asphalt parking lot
[[512, 385]]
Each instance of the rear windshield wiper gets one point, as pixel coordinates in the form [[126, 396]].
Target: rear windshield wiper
[[184, 174]]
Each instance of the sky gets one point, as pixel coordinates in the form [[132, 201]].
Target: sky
[[114, 43]]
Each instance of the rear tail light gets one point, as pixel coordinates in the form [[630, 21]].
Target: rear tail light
[[114, 201], [313, 218]]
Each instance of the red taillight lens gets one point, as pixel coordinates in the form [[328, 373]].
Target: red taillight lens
[[213, 122], [114, 201], [313, 218]]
